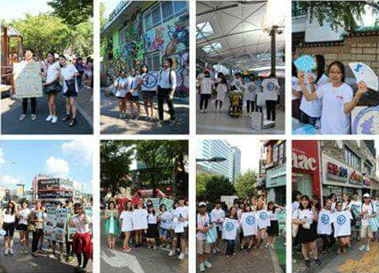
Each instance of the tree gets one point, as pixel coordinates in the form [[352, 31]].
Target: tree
[[72, 12], [161, 159], [81, 39], [116, 157], [213, 186], [336, 13], [245, 184]]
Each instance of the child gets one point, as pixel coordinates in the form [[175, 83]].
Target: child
[[221, 91], [126, 219], [111, 224], [273, 229], [180, 219], [152, 231], [263, 222], [165, 225], [203, 226], [205, 91], [218, 216], [229, 233], [121, 86], [134, 86], [250, 94]]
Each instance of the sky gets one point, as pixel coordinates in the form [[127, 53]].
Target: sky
[[14, 9], [250, 153], [110, 5], [20, 161]]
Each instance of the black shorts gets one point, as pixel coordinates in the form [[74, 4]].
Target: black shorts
[[9, 229], [22, 227], [182, 235], [273, 229], [71, 94], [134, 98]]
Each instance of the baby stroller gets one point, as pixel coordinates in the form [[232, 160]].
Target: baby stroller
[[236, 103]]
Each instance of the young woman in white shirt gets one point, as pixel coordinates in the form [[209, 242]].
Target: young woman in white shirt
[[9, 222], [273, 230], [344, 241], [206, 84], [368, 211], [23, 216], [52, 86], [121, 87], [303, 217], [139, 222], [221, 91], [271, 90], [250, 94], [134, 85], [165, 225], [324, 227], [296, 96], [70, 88], [152, 230], [126, 223], [147, 93], [337, 99]]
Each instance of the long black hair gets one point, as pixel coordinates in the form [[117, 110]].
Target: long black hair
[[12, 210], [273, 208], [320, 60], [151, 207], [309, 202], [142, 66], [340, 66], [294, 70]]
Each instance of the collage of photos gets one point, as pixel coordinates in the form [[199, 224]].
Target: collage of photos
[[143, 136]]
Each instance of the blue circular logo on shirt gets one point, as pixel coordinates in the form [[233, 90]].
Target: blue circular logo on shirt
[[341, 220], [263, 216], [150, 80], [250, 220], [270, 86], [325, 219], [229, 226]]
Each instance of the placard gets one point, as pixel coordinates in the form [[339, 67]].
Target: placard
[[27, 80], [249, 223], [305, 64], [363, 72], [168, 203]]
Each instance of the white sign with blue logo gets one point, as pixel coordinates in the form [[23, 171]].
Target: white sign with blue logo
[[150, 81], [230, 227], [324, 225], [249, 223], [341, 222], [263, 221], [363, 72]]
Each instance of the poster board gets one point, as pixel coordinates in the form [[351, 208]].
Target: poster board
[[169, 203], [50, 224], [27, 80], [70, 230]]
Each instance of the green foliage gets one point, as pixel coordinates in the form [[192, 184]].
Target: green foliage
[[245, 184], [210, 187], [116, 157], [81, 39], [336, 13], [72, 12]]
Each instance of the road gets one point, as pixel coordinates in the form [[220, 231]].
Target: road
[[354, 261], [140, 260], [12, 109], [110, 123], [21, 263], [221, 123]]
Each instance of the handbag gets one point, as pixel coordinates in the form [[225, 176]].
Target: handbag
[[52, 88], [373, 222], [31, 228], [71, 85], [211, 235]]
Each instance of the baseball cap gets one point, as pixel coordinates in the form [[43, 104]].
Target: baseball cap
[[202, 204], [366, 195]]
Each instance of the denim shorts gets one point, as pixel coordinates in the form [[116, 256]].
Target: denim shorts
[[163, 232]]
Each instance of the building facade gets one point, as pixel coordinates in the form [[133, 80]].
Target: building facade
[[275, 170], [146, 32], [53, 189], [236, 163]]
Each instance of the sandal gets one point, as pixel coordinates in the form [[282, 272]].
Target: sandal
[[66, 118], [73, 122], [22, 117]]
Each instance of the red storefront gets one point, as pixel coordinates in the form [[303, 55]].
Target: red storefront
[[306, 167]]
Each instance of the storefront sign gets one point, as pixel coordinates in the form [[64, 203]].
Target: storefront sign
[[355, 178], [303, 162], [337, 173], [276, 177]]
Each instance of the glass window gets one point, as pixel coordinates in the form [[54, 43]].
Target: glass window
[[180, 7], [156, 64], [123, 35], [167, 10], [156, 16], [275, 154], [148, 21]]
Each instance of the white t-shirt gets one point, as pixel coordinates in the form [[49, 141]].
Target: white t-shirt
[[139, 219], [269, 88], [9, 218], [52, 71], [133, 83], [202, 221], [180, 212], [24, 216], [218, 214], [166, 220], [341, 223], [206, 86], [249, 223], [313, 108], [126, 221], [237, 83], [122, 84], [355, 207], [333, 118], [152, 219], [274, 216], [229, 230], [324, 225], [250, 91], [164, 81], [370, 210], [68, 73], [82, 227], [304, 215], [263, 219], [294, 86]]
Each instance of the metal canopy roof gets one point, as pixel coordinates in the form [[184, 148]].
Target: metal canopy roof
[[233, 35]]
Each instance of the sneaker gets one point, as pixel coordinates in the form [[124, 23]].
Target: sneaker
[[172, 253], [317, 261], [52, 256], [54, 119], [11, 252], [207, 264], [307, 263], [49, 118], [202, 267], [6, 252], [367, 248], [66, 118], [181, 256], [362, 248]]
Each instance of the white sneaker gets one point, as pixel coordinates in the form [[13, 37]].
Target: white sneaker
[[362, 248], [172, 253], [202, 267], [367, 248], [49, 118], [181, 256], [54, 119], [11, 252], [207, 264], [6, 252]]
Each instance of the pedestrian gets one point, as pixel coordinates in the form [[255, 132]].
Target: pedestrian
[[9, 224], [23, 216], [342, 230], [263, 222], [126, 219], [303, 217], [296, 95], [37, 219], [166, 90], [152, 230], [52, 86], [218, 216], [147, 92], [180, 220], [165, 225], [140, 224], [53, 241], [229, 231], [355, 208], [270, 88], [133, 87], [79, 66], [111, 224], [81, 243], [338, 99], [203, 247], [28, 59], [206, 84], [248, 228], [250, 94], [221, 91], [369, 223], [121, 87], [273, 228], [70, 88], [324, 226]]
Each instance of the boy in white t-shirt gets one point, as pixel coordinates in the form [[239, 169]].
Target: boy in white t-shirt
[[218, 216], [368, 211], [180, 220]]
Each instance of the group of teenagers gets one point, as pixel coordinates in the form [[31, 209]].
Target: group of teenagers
[[32, 219], [253, 222], [131, 86], [323, 100], [139, 223], [336, 224], [254, 90], [58, 75]]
